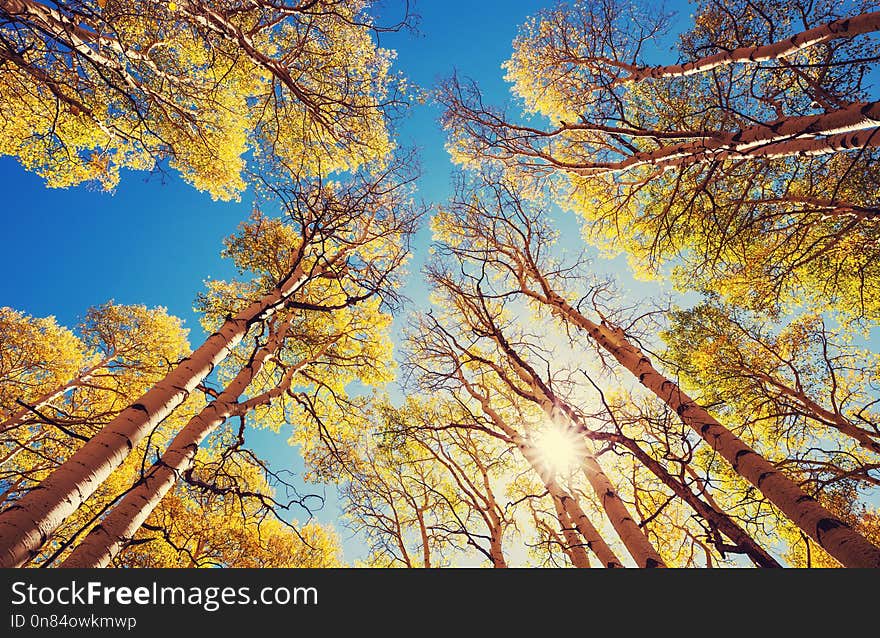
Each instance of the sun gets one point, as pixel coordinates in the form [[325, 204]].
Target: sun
[[560, 449]]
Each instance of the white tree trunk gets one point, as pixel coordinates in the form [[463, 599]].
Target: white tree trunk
[[832, 534], [29, 522], [843, 28]]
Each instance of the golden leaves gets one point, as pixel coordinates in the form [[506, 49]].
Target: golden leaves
[[156, 90]]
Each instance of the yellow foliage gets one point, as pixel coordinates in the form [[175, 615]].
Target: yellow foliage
[[304, 90]]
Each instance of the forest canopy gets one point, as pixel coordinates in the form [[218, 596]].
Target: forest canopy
[[636, 327]]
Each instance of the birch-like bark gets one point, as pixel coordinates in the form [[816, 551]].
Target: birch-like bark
[[496, 528], [707, 511], [573, 545], [854, 126], [27, 524], [826, 207], [831, 533], [850, 548], [496, 552], [70, 32], [106, 539], [632, 536], [592, 539], [851, 127], [838, 29]]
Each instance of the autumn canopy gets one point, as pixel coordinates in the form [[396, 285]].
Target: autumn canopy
[[636, 328]]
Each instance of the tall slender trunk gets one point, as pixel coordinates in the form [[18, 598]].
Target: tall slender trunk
[[490, 515], [592, 538], [712, 515], [106, 539], [496, 551], [573, 545], [423, 531], [831, 533], [27, 524], [398, 538], [632, 536], [838, 29], [851, 127]]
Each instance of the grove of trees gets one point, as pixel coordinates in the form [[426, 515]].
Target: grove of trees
[[529, 413]]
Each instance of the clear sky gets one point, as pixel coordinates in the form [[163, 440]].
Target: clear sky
[[155, 239]]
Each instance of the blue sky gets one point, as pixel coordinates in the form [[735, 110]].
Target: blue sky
[[155, 239]]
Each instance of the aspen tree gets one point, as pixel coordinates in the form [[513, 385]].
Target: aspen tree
[[514, 242], [355, 233], [90, 87], [751, 160]]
